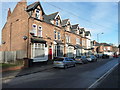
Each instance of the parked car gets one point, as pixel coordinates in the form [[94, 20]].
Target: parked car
[[78, 60], [97, 55], [100, 55], [104, 56], [81, 59], [63, 62], [91, 58], [115, 56]]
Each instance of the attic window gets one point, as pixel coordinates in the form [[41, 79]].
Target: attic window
[[37, 13], [57, 22]]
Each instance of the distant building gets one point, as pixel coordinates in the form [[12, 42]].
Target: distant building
[[104, 48]]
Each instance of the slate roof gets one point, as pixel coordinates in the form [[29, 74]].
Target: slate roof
[[87, 33], [64, 22], [47, 18], [33, 6], [58, 42], [105, 44], [82, 29], [53, 15], [75, 26], [78, 46]]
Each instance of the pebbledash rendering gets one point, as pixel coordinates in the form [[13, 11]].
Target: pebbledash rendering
[[41, 37]]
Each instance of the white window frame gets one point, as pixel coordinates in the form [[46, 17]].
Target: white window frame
[[77, 41], [37, 46], [104, 48], [37, 14], [34, 29], [57, 22], [55, 34], [58, 34], [70, 51], [67, 39], [55, 52], [108, 48], [40, 31], [83, 42]]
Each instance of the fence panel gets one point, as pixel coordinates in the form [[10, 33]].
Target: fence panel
[[1, 56], [11, 56], [20, 54]]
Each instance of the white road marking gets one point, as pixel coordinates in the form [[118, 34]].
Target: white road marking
[[103, 76]]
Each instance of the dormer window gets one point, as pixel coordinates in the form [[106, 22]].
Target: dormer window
[[57, 22], [37, 13]]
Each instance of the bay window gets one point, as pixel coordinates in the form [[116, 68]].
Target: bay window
[[38, 50]]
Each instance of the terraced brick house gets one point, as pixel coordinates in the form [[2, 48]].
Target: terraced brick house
[[33, 34]]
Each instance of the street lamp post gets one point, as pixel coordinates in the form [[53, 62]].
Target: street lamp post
[[98, 36]]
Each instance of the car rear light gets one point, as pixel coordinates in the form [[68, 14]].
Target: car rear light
[[77, 59], [58, 62]]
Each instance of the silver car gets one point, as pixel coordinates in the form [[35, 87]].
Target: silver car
[[81, 59], [91, 58], [63, 62]]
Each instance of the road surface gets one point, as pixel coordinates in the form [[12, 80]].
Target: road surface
[[81, 76]]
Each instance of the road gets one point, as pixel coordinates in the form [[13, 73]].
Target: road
[[81, 76], [112, 80]]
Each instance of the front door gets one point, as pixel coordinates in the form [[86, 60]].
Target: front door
[[50, 53]]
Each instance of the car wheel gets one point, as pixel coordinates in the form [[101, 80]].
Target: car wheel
[[65, 66], [82, 63], [74, 65]]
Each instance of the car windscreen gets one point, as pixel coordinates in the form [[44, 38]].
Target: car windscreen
[[59, 59], [78, 57], [92, 56], [88, 56]]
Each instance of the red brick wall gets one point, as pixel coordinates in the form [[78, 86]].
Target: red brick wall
[[18, 25], [15, 29]]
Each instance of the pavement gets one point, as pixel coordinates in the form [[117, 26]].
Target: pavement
[[36, 67]]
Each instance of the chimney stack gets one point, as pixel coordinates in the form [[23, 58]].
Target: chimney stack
[[9, 13]]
